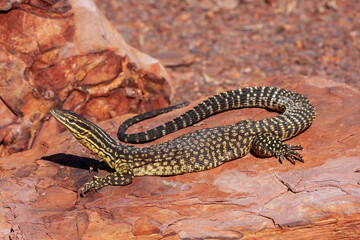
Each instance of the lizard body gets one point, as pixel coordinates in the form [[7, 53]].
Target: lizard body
[[202, 149]]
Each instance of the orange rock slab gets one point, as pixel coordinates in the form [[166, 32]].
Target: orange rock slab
[[248, 198], [66, 54]]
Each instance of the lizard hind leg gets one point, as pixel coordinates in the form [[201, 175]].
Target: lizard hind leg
[[266, 145], [122, 178]]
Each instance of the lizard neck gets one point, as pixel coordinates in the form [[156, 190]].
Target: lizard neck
[[91, 136]]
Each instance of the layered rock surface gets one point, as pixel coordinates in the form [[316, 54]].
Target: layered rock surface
[[247, 198], [66, 54]]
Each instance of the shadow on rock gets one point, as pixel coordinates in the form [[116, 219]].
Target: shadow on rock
[[74, 161]]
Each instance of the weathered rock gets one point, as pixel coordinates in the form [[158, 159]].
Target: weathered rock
[[248, 198], [66, 54], [145, 226]]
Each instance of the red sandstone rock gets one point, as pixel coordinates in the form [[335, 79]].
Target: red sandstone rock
[[145, 226], [248, 198], [66, 54]]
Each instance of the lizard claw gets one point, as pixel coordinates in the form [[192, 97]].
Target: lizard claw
[[95, 166], [92, 184], [289, 154]]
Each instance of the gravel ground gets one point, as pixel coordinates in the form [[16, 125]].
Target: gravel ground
[[209, 46]]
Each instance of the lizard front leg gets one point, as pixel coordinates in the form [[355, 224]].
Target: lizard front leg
[[122, 178]]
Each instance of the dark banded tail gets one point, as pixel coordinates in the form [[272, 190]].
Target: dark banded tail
[[266, 97], [140, 137]]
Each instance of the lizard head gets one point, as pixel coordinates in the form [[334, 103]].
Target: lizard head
[[76, 124], [86, 132]]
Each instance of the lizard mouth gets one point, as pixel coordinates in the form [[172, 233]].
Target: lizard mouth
[[62, 115], [56, 113]]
